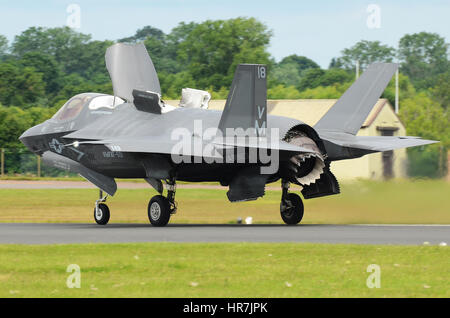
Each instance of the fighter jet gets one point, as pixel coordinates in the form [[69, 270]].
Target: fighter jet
[[135, 134]]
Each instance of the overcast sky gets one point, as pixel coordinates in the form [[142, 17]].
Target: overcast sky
[[318, 29]]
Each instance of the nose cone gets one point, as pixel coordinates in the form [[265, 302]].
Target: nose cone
[[28, 138], [27, 133], [33, 132]]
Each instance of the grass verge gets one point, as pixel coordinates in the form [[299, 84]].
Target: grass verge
[[360, 202], [224, 270]]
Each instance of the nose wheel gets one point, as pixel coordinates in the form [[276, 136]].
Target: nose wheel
[[291, 207], [101, 210]]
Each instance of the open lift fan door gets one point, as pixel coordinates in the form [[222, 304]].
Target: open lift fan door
[[130, 67]]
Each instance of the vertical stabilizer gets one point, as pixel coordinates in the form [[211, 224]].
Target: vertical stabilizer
[[350, 111], [246, 105]]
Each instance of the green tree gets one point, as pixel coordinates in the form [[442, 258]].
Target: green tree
[[290, 69], [425, 118], [213, 49], [335, 76], [317, 77], [75, 84], [312, 78], [47, 66], [301, 63], [336, 63], [179, 34], [161, 47], [13, 122], [144, 33], [171, 84], [20, 86], [283, 92], [63, 43], [423, 57], [159, 51], [3, 46], [441, 91], [285, 74], [89, 61], [406, 89], [366, 52], [325, 92]]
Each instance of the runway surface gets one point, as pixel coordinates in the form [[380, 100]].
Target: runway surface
[[50, 233]]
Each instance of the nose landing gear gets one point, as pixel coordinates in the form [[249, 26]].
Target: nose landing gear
[[101, 210]]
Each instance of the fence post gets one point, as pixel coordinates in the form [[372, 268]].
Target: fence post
[[448, 165], [38, 166], [3, 162]]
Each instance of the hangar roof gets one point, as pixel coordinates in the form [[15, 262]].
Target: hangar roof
[[306, 110]]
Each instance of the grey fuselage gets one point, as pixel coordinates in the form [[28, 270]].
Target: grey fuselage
[[127, 123]]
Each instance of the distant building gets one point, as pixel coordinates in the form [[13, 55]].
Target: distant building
[[382, 121]]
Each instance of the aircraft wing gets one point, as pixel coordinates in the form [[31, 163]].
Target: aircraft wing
[[373, 143], [101, 181], [161, 145]]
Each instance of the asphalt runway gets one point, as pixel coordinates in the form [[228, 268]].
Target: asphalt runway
[[51, 233]]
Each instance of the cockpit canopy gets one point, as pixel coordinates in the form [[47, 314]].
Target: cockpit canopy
[[73, 107]]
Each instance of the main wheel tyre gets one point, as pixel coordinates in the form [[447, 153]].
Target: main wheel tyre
[[293, 212], [101, 215], [159, 211]]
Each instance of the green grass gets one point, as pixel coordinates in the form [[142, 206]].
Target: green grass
[[224, 270], [414, 202]]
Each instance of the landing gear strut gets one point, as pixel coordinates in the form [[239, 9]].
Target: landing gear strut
[[291, 207], [101, 210], [160, 208]]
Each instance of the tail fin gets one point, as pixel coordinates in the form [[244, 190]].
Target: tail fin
[[350, 111], [130, 67], [246, 105]]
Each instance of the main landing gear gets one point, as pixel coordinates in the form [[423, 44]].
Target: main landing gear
[[101, 210], [160, 208], [291, 207]]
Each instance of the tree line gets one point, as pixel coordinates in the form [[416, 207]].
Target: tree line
[[43, 67]]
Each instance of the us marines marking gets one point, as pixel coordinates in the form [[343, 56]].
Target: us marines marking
[[112, 154]]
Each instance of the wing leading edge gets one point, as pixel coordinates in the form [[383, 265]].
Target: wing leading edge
[[101, 181], [373, 143]]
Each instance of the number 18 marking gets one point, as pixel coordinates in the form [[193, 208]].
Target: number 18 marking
[[261, 72]]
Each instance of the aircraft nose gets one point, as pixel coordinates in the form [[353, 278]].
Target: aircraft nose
[[31, 132], [27, 137], [25, 134]]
